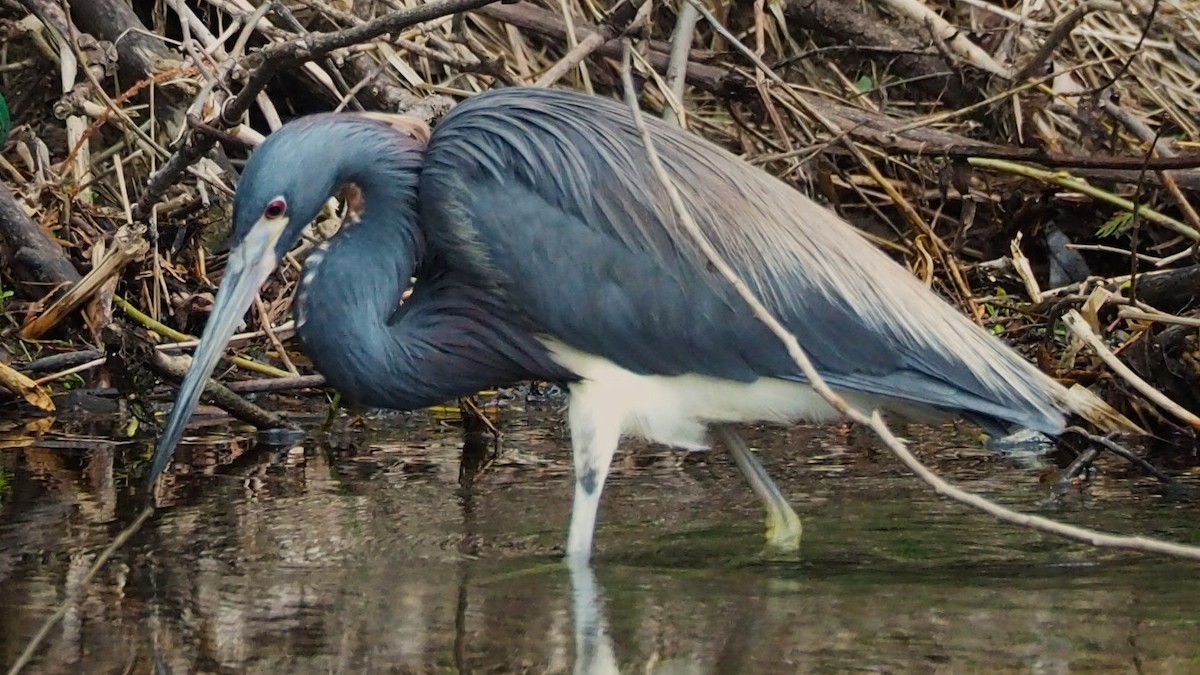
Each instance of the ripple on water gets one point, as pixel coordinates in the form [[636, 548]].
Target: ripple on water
[[362, 553]]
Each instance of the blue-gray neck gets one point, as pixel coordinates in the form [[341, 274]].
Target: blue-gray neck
[[451, 337]]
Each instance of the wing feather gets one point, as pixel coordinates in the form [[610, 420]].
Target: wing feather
[[549, 195]]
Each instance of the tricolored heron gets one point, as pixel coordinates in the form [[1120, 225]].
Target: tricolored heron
[[543, 247]]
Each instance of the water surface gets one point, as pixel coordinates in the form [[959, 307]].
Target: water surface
[[359, 551]]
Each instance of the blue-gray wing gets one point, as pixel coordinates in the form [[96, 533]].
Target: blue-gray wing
[[550, 196]]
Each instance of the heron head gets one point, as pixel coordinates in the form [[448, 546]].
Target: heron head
[[291, 176], [285, 184], [283, 187]]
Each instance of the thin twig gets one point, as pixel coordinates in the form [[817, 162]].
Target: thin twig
[[1116, 449], [1135, 314], [265, 318], [1084, 332], [1068, 181], [1061, 30], [953, 37], [578, 52], [681, 45], [73, 596], [54, 377], [573, 59], [165, 330]]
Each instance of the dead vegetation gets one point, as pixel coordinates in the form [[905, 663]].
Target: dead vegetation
[[1026, 159]]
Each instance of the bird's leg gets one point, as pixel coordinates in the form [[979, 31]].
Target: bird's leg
[[783, 525], [593, 445]]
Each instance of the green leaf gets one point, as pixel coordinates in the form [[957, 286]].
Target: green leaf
[[4, 119], [1115, 225]]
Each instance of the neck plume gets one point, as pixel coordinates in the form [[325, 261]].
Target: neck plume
[[450, 338]]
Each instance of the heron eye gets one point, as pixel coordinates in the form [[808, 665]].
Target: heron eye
[[275, 209]]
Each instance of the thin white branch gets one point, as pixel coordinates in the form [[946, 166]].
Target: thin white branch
[[1084, 332], [681, 46], [954, 38]]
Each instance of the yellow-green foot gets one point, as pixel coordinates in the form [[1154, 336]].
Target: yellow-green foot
[[783, 531], [783, 525]]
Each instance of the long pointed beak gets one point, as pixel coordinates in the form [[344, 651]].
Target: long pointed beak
[[248, 267]]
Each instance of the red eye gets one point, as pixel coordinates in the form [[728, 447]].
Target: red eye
[[275, 209]]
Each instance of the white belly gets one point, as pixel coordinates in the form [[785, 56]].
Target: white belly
[[675, 410]]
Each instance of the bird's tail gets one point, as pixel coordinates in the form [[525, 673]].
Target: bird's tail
[[1081, 401]]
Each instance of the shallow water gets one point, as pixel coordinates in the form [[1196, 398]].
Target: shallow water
[[359, 552]]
